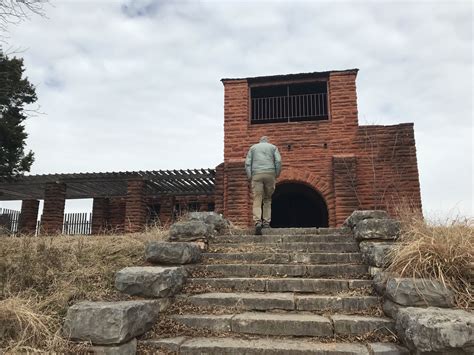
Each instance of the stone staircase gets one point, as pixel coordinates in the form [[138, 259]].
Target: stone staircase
[[289, 291]]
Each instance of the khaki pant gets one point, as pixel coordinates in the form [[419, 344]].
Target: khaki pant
[[263, 186]]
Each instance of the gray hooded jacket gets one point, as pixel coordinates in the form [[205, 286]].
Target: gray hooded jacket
[[263, 157]]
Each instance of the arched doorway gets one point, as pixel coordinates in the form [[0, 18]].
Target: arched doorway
[[298, 205]]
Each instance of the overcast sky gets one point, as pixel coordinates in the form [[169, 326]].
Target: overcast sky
[[135, 84]]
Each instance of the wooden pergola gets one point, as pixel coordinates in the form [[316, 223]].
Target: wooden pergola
[[120, 198], [111, 184]]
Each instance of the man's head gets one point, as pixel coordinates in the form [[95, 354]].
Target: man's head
[[264, 139]]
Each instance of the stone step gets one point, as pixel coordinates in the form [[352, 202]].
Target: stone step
[[284, 258], [278, 270], [319, 286], [303, 238], [287, 324], [274, 346], [287, 301], [310, 247], [300, 231], [294, 231]]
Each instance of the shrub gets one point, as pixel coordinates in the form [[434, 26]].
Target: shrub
[[442, 251]]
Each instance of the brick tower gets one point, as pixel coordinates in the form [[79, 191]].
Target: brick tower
[[331, 165]]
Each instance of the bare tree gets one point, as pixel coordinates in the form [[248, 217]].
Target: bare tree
[[15, 11]]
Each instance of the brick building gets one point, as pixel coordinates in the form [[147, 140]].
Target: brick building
[[331, 164]]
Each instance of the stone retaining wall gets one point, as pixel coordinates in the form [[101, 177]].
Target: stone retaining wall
[[421, 308]]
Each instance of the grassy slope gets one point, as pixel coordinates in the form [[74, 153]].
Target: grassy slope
[[41, 277]]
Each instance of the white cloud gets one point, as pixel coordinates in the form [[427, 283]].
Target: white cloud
[[138, 88]]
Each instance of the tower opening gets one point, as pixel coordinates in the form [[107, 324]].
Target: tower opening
[[298, 205]]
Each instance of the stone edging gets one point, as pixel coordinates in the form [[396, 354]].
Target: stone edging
[[421, 308]]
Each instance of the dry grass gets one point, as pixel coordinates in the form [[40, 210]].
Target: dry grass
[[41, 277], [442, 251]]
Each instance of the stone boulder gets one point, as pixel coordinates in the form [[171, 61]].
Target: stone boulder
[[109, 322], [150, 281], [436, 330], [380, 281], [418, 292], [358, 216], [391, 308], [217, 222], [176, 253], [190, 231], [376, 228], [376, 253]]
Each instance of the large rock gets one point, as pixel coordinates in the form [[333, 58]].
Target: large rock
[[375, 228], [189, 231], [109, 322], [418, 292], [358, 216], [150, 281], [380, 281], [376, 253], [172, 253], [217, 222], [444, 331]]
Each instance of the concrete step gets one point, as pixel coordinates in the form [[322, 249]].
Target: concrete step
[[287, 301], [319, 286], [287, 324], [278, 270], [267, 346], [310, 247], [303, 238], [284, 258]]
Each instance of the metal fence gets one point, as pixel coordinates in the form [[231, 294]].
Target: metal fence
[[73, 223], [77, 223], [290, 108], [10, 219]]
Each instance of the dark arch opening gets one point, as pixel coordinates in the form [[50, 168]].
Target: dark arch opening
[[298, 205]]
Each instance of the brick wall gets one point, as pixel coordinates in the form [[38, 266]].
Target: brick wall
[[100, 215], [117, 214], [387, 167], [310, 152], [135, 206], [345, 186], [166, 210]]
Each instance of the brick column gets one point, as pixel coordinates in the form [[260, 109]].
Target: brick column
[[343, 105], [100, 215], [116, 214], [237, 199], [53, 210], [29, 216], [345, 186], [166, 210], [135, 210], [219, 189]]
